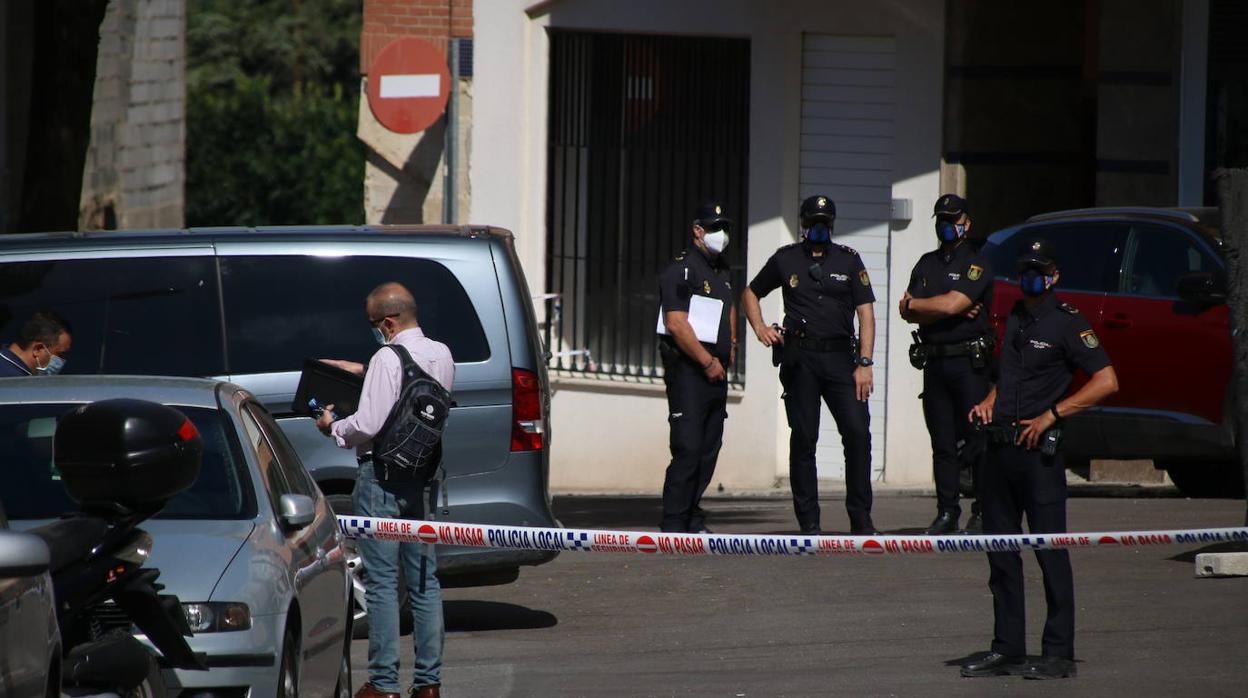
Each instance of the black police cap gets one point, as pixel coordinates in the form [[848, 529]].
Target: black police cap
[[818, 206], [949, 205], [1037, 254], [710, 213]]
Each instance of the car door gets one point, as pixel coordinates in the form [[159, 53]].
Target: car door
[[320, 568], [1172, 356]]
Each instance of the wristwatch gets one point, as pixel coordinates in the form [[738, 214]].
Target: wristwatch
[[864, 361]]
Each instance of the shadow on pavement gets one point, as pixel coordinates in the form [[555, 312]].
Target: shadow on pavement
[[470, 616], [639, 512]]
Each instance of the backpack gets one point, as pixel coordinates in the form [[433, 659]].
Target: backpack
[[409, 445]]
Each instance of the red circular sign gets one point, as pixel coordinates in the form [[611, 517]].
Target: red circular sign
[[408, 85], [646, 544], [427, 534], [873, 547]]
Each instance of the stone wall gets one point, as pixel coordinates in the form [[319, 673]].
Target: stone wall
[[135, 171]]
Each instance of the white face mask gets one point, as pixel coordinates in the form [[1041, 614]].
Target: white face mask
[[379, 336], [717, 241]]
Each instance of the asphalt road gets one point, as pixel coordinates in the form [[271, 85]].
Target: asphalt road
[[631, 625]]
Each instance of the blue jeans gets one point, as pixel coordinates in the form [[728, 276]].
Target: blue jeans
[[398, 500]]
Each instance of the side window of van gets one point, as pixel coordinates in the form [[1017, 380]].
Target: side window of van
[[282, 309], [142, 315]]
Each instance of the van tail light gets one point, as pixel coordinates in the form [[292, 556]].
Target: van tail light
[[528, 428]]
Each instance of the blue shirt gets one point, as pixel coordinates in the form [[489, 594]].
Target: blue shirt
[[11, 366]]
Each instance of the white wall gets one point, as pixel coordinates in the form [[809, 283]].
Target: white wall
[[613, 437]]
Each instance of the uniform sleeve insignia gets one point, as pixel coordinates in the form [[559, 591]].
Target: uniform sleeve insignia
[[681, 255], [974, 272], [864, 278], [793, 281], [1090, 340], [706, 287]]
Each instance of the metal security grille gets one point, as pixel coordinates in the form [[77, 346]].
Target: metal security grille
[[642, 129]]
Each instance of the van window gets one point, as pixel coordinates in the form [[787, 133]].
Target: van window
[[281, 310], [144, 315], [1086, 253]]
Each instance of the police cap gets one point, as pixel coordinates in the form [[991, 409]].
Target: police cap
[[711, 213], [818, 207], [949, 205], [1037, 254]]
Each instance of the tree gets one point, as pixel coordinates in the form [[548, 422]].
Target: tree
[[272, 100]]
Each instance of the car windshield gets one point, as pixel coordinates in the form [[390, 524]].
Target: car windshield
[[31, 488]]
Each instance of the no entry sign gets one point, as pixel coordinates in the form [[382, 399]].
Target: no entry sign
[[408, 85]]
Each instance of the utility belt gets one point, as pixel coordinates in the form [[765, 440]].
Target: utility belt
[[1007, 435], [671, 354], [979, 349]]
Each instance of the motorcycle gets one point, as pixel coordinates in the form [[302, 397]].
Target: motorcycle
[[122, 461]]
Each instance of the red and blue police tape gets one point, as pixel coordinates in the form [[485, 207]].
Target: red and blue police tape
[[595, 541]]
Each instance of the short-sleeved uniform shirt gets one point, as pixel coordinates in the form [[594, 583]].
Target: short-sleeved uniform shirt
[[961, 268], [1040, 352], [821, 294], [11, 366], [692, 274]]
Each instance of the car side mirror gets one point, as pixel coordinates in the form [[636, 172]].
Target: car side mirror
[[296, 511], [1202, 288], [23, 555]]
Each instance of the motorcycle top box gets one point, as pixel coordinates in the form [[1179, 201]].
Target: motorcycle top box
[[131, 454]]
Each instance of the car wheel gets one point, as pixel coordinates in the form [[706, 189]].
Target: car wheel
[[1221, 480], [288, 678], [341, 504], [342, 689]]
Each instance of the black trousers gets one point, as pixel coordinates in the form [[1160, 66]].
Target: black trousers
[[951, 387], [697, 409], [810, 377], [1017, 481]]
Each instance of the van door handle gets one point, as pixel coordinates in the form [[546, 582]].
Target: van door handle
[[1119, 321]]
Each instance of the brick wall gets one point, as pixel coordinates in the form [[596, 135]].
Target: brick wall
[[435, 20], [135, 170]]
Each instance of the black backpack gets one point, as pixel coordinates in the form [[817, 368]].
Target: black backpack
[[409, 445]]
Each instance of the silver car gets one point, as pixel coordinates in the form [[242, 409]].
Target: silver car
[[252, 549], [30, 642]]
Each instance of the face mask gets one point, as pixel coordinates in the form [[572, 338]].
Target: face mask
[[377, 335], [55, 365], [717, 241], [949, 232], [819, 233], [1034, 283]]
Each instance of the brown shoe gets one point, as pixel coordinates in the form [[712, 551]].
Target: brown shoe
[[425, 692], [368, 690]]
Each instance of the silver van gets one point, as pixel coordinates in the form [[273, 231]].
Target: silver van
[[249, 305]]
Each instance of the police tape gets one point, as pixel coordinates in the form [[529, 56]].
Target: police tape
[[595, 541]]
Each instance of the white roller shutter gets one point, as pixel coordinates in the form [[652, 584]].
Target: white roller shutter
[[847, 155]]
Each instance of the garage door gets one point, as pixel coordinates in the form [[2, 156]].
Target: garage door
[[847, 154]]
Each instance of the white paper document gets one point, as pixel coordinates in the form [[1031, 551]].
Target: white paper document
[[704, 314]]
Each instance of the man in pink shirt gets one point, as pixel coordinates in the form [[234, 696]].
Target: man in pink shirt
[[391, 311]]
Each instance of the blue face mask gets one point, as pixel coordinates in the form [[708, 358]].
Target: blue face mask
[[377, 335], [55, 365], [949, 232], [1034, 283], [820, 233]]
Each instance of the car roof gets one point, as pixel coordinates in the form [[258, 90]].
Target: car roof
[[377, 233], [182, 392], [1203, 220]]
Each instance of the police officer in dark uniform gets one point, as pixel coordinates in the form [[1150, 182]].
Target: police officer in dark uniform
[[1045, 341], [824, 285], [948, 297], [698, 343]]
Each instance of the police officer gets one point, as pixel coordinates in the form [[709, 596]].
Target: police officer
[[1045, 341], [824, 286], [698, 344], [949, 290]]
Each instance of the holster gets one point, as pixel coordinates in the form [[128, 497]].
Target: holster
[[918, 352]]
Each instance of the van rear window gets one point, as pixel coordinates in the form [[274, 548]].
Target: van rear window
[[282, 309], [142, 315]]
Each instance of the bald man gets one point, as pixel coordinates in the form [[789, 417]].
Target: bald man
[[391, 312]]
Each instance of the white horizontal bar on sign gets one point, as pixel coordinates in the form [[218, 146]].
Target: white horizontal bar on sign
[[409, 86]]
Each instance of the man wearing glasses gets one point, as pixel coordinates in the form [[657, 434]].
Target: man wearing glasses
[[393, 494], [698, 342]]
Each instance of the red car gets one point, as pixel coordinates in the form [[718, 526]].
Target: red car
[[1152, 282]]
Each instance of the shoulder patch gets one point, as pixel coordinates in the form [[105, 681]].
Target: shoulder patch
[[864, 278], [974, 272], [1067, 307], [1090, 340]]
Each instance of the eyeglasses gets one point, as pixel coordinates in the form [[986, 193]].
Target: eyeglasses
[[381, 319]]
